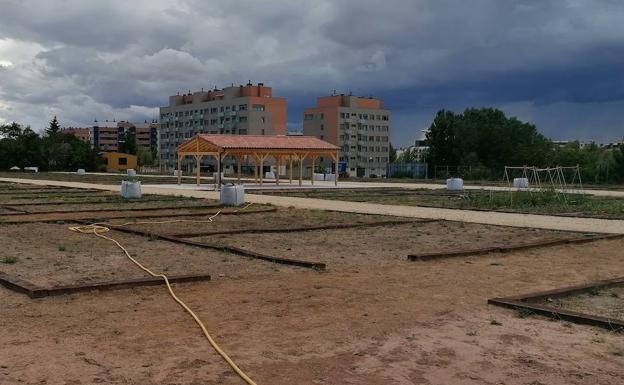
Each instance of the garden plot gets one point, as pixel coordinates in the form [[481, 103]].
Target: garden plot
[[547, 202], [121, 204], [63, 257], [382, 245], [103, 198], [607, 303], [282, 218], [99, 216], [597, 303]]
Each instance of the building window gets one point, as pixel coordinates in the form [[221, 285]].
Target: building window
[[322, 127], [242, 107], [123, 161], [242, 119], [263, 131], [213, 110], [262, 119], [308, 117], [258, 107]]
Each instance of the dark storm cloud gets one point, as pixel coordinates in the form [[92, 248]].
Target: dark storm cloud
[[117, 59]]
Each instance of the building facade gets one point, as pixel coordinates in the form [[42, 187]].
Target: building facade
[[238, 110], [108, 135], [360, 126], [85, 134]]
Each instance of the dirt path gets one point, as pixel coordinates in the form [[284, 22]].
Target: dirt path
[[492, 218]]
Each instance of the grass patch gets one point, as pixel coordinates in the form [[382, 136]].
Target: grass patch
[[9, 260]]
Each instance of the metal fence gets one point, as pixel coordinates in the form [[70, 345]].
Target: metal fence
[[407, 170]]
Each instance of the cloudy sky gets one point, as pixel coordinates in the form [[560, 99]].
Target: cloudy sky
[[557, 63]]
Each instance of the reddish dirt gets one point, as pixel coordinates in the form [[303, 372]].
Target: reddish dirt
[[103, 215], [65, 257], [353, 248], [401, 323], [282, 218]]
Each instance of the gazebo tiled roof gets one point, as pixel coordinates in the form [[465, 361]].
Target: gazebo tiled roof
[[258, 147], [248, 143]]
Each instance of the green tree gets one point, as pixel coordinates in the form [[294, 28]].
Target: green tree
[[484, 138], [128, 144], [145, 157], [392, 154], [54, 127], [618, 163], [442, 139], [12, 130]]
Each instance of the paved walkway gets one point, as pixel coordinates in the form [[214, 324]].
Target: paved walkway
[[270, 184], [493, 218]]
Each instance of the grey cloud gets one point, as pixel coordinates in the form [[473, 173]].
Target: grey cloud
[[121, 59]]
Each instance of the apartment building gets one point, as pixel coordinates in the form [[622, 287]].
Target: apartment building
[[360, 126], [239, 110], [82, 133], [108, 134]]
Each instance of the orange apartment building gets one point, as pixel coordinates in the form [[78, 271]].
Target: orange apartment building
[[107, 135], [239, 110], [360, 126], [84, 134]]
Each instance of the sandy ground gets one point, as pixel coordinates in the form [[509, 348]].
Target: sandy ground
[[404, 323], [64, 257], [353, 248], [115, 205], [283, 218], [99, 216], [505, 219]]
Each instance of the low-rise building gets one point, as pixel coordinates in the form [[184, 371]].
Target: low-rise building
[[116, 161]]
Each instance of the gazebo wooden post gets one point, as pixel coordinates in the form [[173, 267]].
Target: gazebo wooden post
[[290, 167], [239, 164], [312, 177], [218, 179], [335, 169], [261, 161], [301, 159], [279, 162], [198, 166], [179, 168], [255, 162]]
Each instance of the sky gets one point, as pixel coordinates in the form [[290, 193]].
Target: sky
[[556, 63]]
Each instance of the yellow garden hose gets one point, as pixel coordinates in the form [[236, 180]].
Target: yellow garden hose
[[99, 228]]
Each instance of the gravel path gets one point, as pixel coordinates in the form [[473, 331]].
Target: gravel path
[[492, 218]]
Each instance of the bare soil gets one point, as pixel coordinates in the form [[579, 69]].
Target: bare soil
[[121, 205], [65, 257], [353, 248], [282, 218], [103, 215], [607, 303], [401, 323]]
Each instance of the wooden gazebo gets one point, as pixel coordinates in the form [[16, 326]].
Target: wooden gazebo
[[259, 148]]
